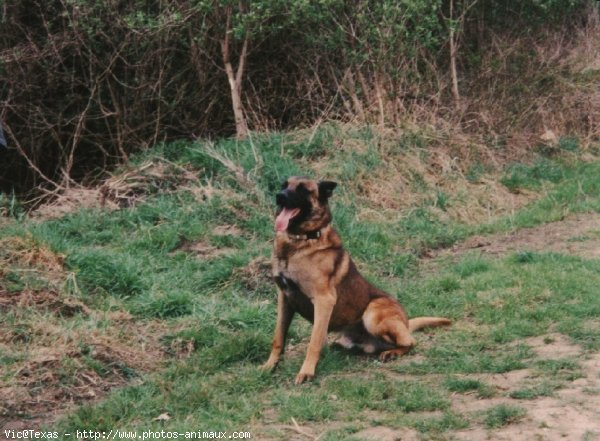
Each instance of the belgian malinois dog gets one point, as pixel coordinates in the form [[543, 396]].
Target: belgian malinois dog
[[317, 279]]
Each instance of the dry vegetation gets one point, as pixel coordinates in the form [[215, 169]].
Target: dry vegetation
[[521, 73], [57, 351]]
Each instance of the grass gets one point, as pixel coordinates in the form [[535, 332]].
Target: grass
[[171, 298], [503, 415], [469, 385], [545, 389]]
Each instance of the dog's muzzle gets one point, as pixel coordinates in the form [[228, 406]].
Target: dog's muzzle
[[281, 198]]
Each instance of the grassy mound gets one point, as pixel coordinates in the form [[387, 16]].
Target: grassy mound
[[161, 285]]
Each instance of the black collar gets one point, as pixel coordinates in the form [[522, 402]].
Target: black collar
[[310, 235]]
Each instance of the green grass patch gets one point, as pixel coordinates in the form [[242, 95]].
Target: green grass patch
[[466, 385], [470, 265], [381, 393], [447, 422], [544, 389], [564, 369], [520, 176], [305, 407], [105, 272], [503, 415]]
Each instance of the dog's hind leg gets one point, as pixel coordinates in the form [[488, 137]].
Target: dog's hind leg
[[384, 319], [399, 335]]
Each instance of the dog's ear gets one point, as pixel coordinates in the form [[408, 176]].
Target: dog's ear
[[326, 190]]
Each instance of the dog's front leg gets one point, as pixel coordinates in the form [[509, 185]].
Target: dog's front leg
[[323, 307], [285, 314]]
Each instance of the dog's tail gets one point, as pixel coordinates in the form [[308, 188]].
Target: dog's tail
[[417, 323]]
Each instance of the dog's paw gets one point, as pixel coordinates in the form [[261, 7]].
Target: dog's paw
[[386, 356], [269, 365], [392, 354], [302, 377]]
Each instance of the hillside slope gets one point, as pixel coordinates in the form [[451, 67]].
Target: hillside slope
[[151, 307]]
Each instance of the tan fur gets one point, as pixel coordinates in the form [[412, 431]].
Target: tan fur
[[317, 279]]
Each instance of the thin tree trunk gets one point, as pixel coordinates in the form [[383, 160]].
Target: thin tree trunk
[[366, 90], [241, 126], [235, 78], [453, 72], [358, 108], [340, 89], [379, 92]]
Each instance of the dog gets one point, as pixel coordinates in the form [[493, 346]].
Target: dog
[[316, 278]]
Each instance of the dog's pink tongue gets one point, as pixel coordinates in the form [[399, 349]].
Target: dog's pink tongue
[[283, 219]]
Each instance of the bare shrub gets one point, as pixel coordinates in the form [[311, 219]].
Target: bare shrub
[[83, 84]]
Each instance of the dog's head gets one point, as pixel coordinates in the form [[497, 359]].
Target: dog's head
[[302, 205]]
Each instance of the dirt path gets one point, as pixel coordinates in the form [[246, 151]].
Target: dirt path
[[577, 235], [571, 413]]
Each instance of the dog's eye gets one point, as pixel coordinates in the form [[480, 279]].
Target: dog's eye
[[284, 185], [301, 189]]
